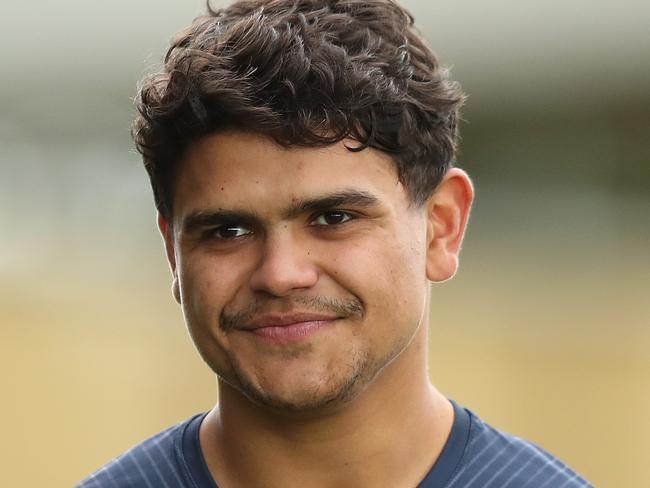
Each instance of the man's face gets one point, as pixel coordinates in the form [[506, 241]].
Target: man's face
[[301, 271]]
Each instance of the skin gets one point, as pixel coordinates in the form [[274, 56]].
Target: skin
[[260, 232]]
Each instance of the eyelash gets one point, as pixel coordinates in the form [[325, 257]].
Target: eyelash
[[212, 233], [348, 217]]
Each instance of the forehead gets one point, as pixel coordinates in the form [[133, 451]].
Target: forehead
[[248, 170]]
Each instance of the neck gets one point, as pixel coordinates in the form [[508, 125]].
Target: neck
[[389, 435]]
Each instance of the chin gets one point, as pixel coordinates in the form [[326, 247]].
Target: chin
[[300, 396]]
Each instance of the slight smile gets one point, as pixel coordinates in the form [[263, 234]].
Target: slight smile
[[288, 327]]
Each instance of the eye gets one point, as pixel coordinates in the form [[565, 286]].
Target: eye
[[334, 217], [226, 232]]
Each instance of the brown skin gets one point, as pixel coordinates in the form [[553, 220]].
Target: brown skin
[[350, 404]]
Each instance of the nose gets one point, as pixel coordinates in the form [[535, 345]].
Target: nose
[[285, 265]]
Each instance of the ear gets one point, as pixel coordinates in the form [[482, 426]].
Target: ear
[[168, 238], [447, 213]]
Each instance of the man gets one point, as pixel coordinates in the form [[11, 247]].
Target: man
[[300, 154]]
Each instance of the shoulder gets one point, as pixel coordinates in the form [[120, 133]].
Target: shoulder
[[498, 459], [156, 462]]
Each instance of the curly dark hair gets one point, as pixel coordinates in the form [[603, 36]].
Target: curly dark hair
[[306, 73]]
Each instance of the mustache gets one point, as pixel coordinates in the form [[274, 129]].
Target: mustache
[[344, 308]]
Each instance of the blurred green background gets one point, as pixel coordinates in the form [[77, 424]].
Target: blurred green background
[[545, 331]]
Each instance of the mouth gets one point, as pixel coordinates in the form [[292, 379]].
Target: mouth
[[286, 328]]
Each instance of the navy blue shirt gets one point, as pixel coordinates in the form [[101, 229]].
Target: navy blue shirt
[[474, 456]]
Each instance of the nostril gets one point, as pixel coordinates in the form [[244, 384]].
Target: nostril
[[284, 268]]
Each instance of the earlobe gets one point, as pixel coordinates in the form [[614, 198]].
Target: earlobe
[[447, 213], [176, 289], [168, 240]]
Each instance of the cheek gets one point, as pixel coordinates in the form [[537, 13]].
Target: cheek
[[389, 279], [197, 289], [206, 284]]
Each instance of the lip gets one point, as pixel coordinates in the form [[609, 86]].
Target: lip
[[293, 327]]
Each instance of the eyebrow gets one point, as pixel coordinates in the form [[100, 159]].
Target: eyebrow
[[355, 198], [206, 218]]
